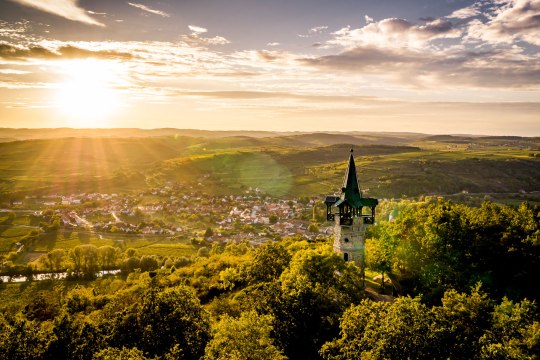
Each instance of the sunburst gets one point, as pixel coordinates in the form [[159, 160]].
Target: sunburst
[[88, 96]]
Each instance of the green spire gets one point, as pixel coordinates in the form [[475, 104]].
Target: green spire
[[351, 190]]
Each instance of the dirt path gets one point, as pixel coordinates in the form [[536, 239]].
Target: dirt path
[[374, 295]]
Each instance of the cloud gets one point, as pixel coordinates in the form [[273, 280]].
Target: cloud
[[465, 13], [8, 51], [196, 39], [508, 21], [273, 44], [18, 31], [450, 68], [318, 29], [364, 58], [270, 55], [70, 51], [197, 29], [68, 9], [394, 33], [96, 13], [13, 72], [368, 19], [150, 10], [249, 95]]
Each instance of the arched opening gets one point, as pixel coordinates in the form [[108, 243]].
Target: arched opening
[[346, 240], [346, 257]]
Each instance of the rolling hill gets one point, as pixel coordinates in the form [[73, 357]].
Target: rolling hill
[[390, 165]]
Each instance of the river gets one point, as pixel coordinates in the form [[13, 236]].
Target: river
[[50, 276]]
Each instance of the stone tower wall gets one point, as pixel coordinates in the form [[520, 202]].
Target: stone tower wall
[[355, 246]]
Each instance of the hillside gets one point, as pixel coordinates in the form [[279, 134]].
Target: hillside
[[392, 165]]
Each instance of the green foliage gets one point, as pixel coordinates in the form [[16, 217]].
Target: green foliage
[[41, 307], [173, 317], [307, 300], [120, 354], [229, 278], [203, 252], [460, 322], [313, 228], [148, 263], [465, 326], [55, 259], [131, 252], [295, 299], [269, 261], [514, 332], [22, 339], [436, 245], [85, 260], [208, 232], [247, 337], [79, 299], [108, 256]]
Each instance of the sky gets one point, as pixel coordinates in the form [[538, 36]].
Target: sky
[[428, 66]]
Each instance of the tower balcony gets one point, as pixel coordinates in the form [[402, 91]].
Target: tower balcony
[[348, 221]]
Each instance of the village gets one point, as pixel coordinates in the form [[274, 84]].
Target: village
[[182, 212]]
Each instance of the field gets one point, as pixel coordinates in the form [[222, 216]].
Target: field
[[390, 165]]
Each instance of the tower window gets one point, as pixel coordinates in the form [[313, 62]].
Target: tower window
[[346, 257], [346, 240]]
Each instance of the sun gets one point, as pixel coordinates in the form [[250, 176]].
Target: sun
[[88, 96]]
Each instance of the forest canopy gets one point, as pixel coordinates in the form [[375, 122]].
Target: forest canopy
[[464, 280]]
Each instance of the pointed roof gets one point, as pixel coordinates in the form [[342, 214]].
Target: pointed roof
[[350, 190]]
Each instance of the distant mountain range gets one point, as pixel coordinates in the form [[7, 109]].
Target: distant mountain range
[[299, 138]]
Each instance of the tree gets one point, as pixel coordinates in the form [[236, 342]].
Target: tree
[[208, 233], [131, 252], [41, 307], [460, 322], [514, 332], [203, 252], [378, 330], [111, 353], [173, 316], [379, 258], [308, 300], [247, 337], [269, 261], [273, 219], [148, 263], [229, 277], [107, 256], [464, 326], [129, 265], [56, 258], [78, 300], [313, 228], [85, 260], [22, 339], [437, 244]]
